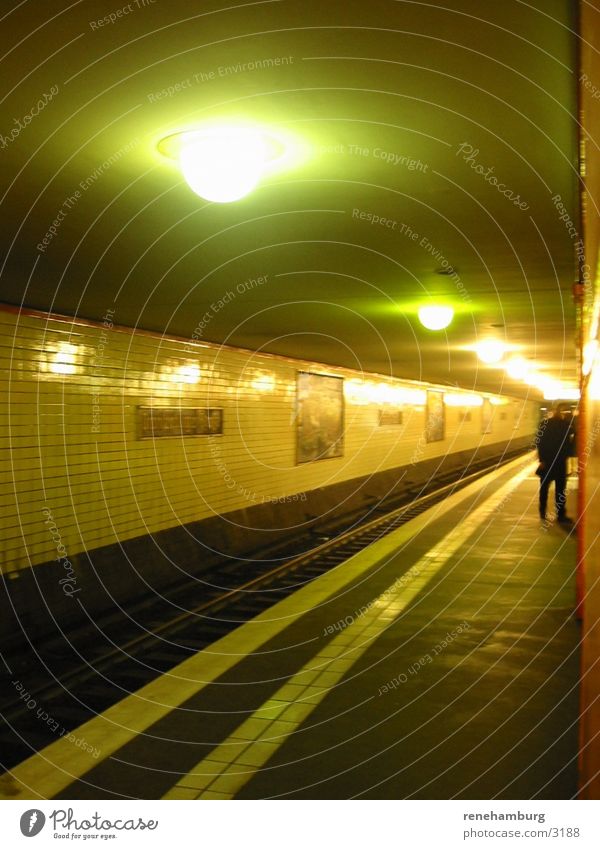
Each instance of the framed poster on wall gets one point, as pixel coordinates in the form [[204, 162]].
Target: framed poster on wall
[[435, 416], [161, 422], [319, 417], [389, 417]]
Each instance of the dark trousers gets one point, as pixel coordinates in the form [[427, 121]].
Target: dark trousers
[[557, 473]]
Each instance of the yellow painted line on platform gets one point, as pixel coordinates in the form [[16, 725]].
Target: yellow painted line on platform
[[235, 761], [49, 771]]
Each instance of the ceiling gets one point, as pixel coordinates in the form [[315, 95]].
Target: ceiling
[[349, 85]]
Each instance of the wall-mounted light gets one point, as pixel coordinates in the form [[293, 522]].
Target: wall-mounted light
[[222, 164], [263, 382], [435, 316], [413, 397], [462, 399], [186, 374], [590, 349], [364, 392], [63, 362], [593, 386]]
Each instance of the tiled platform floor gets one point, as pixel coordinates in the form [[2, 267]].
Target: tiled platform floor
[[440, 663]]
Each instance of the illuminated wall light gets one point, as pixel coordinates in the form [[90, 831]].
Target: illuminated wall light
[[595, 319], [517, 368], [590, 350], [361, 392], [354, 392], [186, 374], [490, 351], [593, 387], [364, 392], [458, 399], [222, 164], [435, 317], [373, 392], [63, 362], [401, 396], [499, 402], [263, 383], [413, 397], [385, 394]]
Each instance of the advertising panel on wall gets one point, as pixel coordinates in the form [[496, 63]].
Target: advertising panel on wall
[[320, 417], [435, 421], [161, 422]]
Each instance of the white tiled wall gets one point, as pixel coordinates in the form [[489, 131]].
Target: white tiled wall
[[70, 442]]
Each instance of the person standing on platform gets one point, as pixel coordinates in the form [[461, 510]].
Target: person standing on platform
[[554, 444], [572, 462]]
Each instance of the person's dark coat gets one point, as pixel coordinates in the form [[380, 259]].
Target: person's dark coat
[[554, 441]]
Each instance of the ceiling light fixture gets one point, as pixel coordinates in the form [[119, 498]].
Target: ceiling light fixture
[[490, 351], [435, 316], [222, 164], [532, 378], [517, 368], [554, 390]]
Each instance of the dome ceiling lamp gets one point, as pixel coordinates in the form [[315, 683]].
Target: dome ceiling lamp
[[222, 164], [435, 316]]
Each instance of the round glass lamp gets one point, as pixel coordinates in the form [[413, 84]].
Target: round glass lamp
[[435, 317], [221, 164]]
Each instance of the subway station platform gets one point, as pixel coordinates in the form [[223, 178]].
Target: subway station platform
[[441, 662]]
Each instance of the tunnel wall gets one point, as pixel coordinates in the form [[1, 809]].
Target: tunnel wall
[[90, 502]]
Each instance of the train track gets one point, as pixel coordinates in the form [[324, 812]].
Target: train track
[[75, 679]]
